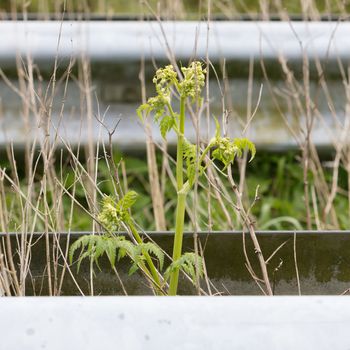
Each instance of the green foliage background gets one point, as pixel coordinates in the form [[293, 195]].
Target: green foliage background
[[182, 8], [279, 177]]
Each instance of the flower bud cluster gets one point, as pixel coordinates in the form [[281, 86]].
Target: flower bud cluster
[[193, 80], [225, 151], [109, 215], [164, 79]]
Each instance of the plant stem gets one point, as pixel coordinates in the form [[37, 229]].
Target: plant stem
[[180, 140], [154, 271], [249, 224], [181, 200], [156, 193], [180, 216]]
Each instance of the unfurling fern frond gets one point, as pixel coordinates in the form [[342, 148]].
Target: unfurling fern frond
[[94, 246], [190, 263]]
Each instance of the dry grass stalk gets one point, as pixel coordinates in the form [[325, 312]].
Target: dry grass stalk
[[156, 193]]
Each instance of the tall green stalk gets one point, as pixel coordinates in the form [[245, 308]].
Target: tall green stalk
[[188, 88], [116, 215], [154, 272], [181, 200]]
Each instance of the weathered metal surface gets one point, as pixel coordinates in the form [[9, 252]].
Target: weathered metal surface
[[322, 258], [118, 96], [113, 40], [115, 50], [186, 323]]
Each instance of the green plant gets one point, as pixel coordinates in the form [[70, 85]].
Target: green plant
[[191, 162], [187, 88], [114, 217]]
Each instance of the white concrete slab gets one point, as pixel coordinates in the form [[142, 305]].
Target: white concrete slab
[[220, 323]]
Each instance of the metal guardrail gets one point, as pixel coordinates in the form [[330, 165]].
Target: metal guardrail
[[125, 42], [131, 40], [322, 263]]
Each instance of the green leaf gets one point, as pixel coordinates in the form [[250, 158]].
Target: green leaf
[[95, 246], [127, 201], [134, 267], [190, 156], [166, 124], [126, 247], [110, 249], [121, 253], [82, 257], [153, 249], [217, 128], [82, 242], [190, 263], [144, 108], [243, 144], [75, 246], [274, 223], [225, 151]]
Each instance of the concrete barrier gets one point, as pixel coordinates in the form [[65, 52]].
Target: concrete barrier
[[174, 323]]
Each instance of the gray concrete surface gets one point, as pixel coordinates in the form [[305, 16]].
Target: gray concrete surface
[[245, 323]]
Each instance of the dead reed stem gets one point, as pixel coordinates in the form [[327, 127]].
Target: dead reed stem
[[249, 224], [156, 193]]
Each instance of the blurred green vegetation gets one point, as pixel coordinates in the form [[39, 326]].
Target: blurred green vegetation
[[179, 8], [280, 206]]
